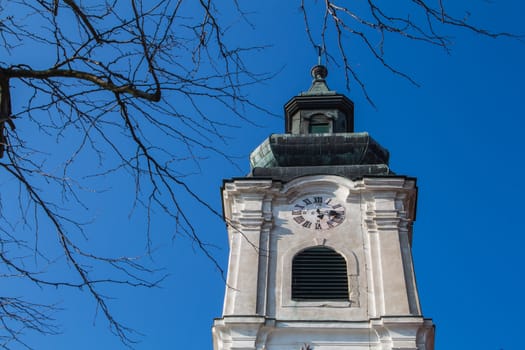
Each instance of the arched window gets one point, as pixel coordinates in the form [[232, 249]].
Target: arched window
[[319, 273], [319, 124]]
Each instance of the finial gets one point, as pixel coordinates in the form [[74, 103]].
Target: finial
[[319, 72]]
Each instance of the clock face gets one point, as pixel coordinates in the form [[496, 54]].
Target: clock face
[[318, 212]]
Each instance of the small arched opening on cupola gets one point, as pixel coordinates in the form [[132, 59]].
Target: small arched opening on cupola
[[320, 124]]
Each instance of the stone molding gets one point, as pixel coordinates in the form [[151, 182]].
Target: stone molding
[[247, 203], [385, 333], [390, 202]]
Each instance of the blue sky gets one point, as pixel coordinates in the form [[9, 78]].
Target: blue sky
[[459, 133]]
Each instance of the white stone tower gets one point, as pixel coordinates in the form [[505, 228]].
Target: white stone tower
[[320, 236]]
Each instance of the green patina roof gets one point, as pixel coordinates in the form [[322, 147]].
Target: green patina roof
[[280, 150], [299, 152]]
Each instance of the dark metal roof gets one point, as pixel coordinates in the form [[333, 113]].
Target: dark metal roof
[[350, 152], [352, 172]]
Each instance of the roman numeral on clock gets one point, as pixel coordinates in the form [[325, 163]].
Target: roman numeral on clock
[[299, 219]]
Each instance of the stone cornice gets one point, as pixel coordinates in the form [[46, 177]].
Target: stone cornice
[[247, 203], [390, 202]]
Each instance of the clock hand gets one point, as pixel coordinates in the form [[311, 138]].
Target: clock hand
[[334, 213]]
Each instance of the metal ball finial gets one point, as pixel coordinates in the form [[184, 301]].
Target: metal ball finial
[[319, 72]]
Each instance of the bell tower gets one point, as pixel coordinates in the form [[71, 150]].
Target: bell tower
[[320, 236]]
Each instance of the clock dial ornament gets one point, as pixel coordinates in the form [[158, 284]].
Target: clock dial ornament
[[318, 212]]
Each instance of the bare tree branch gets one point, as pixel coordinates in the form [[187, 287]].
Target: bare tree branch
[[135, 87], [375, 24]]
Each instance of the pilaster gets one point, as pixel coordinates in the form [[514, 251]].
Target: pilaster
[[248, 213], [236, 333], [389, 210]]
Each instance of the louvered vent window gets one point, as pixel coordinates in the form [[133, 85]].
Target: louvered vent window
[[319, 128], [319, 273]]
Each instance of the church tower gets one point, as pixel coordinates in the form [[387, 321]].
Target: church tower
[[320, 236]]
